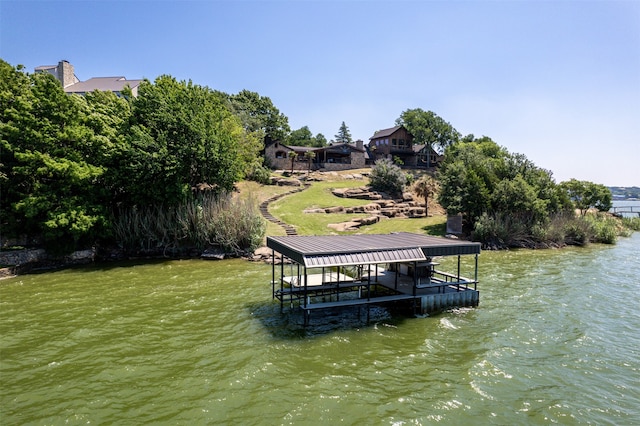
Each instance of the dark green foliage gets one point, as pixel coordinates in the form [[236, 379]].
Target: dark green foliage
[[68, 160], [343, 136], [258, 115], [500, 230], [605, 228], [504, 198], [181, 136], [304, 137], [260, 174], [387, 177], [586, 195], [53, 163]]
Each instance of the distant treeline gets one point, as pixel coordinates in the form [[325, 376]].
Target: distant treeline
[[622, 192]]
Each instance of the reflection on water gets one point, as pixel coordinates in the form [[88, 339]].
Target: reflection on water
[[554, 340]]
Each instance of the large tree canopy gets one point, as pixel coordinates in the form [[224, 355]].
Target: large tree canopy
[[428, 128], [258, 114], [304, 137], [479, 177], [53, 160], [586, 195], [181, 135], [69, 160]]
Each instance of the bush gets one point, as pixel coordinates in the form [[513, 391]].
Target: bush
[[605, 228], [501, 231], [409, 179], [578, 231], [387, 177], [556, 230], [260, 174], [632, 223]]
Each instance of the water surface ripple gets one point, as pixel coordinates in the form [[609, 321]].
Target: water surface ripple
[[554, 340]]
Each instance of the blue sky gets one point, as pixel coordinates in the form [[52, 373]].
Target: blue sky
[[558, 81]]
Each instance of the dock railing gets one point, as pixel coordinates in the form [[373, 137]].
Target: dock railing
[[445, 279], [622, 210]]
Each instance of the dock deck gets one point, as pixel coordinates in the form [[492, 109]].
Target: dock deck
[[336, 271]]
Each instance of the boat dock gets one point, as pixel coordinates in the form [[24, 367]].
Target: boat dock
[[325, 272], [622, 211]]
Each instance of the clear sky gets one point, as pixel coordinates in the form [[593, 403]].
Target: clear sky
[[558, 81]]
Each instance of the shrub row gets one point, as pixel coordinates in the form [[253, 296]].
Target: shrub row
[[503, 231]]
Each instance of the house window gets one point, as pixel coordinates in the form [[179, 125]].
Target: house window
[[281, 154], [394, 142], [401, 143]]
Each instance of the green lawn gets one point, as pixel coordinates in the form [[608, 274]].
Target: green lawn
[[290, 210]]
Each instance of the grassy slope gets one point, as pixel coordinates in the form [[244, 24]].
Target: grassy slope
[[290, 210]]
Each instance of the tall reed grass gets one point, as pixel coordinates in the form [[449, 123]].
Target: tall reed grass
[[232, 223]]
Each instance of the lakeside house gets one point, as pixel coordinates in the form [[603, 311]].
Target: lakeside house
[[333, 157], [392, 143], [64, 72], [397, 142]]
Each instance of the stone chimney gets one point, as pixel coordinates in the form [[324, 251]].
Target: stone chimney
[[63, 72], [66, 74], [359, 144]]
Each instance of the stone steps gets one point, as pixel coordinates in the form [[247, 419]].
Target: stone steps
[[264, 210]]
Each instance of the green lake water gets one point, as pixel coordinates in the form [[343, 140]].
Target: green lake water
[[555, 339]]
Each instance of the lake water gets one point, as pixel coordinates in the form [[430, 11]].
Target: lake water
[[555, 339]]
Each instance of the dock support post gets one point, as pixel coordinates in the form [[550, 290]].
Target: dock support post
[[475, 278], [273, 274], [281, 284]]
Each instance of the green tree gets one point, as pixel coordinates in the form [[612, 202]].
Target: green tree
[[52, 162], [586, 195], [428, 128], [343, 136], [321, 140], [181, 136], [304, 137], [259, 114], [480, 179], [301, 137]]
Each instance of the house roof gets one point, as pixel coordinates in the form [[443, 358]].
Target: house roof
[[418, 148], [45, 67], [385, 132], [297, 148], [342, 250], [336, 147], [112, 84], [339, 147]]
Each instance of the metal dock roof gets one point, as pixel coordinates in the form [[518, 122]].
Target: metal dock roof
[[342, 250]]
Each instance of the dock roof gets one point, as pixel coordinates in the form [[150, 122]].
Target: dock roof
[[343, 250]]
